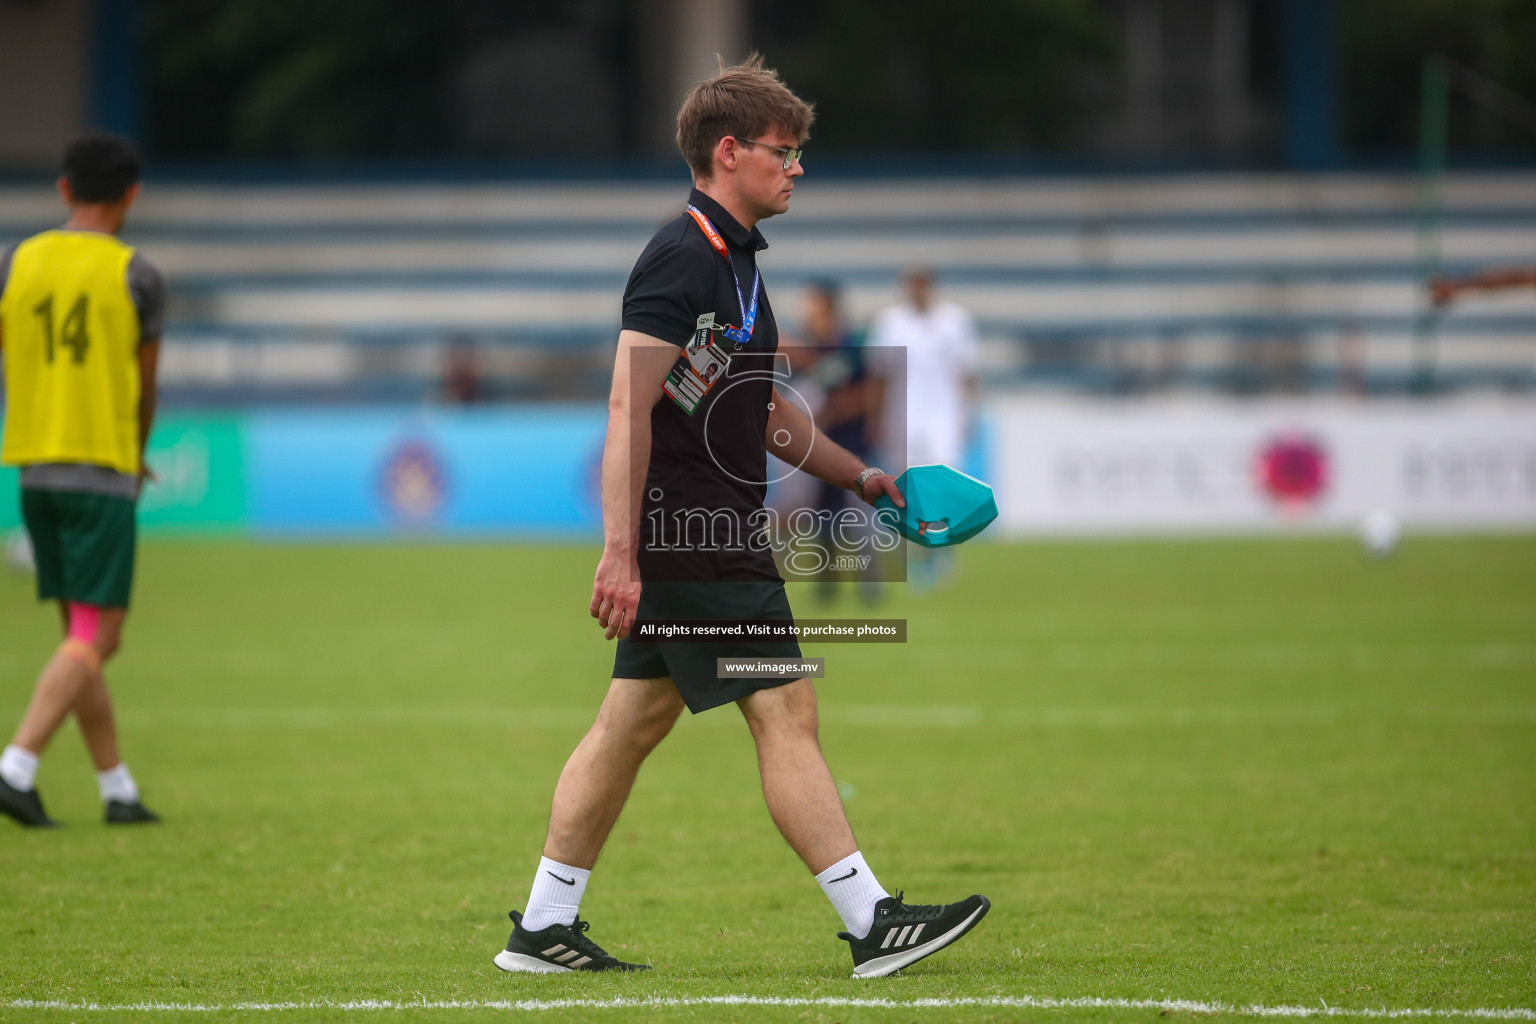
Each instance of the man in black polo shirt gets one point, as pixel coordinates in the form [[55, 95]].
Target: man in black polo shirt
[[684, 477]]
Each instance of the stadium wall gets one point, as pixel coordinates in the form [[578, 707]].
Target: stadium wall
[[1059, 467]]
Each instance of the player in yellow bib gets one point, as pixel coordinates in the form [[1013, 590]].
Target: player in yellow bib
[[80, 324]]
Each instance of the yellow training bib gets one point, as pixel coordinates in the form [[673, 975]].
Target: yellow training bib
[[70, 333]]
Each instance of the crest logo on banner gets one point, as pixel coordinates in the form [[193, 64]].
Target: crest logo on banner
[[414, 484]]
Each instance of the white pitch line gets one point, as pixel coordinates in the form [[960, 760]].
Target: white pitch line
[[660, 1002]]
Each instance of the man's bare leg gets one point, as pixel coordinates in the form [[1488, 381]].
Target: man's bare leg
[[636, 715], [884, 934], [63, 680], [57, 687], [803, 800], [93, 710], [797, 784], [73, 681]]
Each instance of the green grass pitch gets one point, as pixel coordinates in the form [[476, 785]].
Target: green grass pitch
[[1246, 772]]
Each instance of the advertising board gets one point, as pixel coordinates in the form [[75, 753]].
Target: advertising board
[[1156, 467]]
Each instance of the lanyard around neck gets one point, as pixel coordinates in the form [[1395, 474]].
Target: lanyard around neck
[[743, 334]]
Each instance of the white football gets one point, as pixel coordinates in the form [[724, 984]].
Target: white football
[[1380, 533]]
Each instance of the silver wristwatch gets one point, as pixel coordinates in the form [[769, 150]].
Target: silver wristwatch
[[863, 478]]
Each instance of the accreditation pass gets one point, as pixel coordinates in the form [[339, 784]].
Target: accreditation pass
[[699, 368]]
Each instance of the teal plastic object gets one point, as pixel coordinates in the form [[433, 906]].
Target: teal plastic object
[[944, 506]]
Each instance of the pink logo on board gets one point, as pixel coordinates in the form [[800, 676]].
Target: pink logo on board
[[1293, 470]]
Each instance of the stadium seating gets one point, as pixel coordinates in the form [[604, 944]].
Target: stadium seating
[[1240, 283]]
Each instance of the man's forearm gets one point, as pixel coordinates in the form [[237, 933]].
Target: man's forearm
[[149, 390], [626, 457], [148, 399]]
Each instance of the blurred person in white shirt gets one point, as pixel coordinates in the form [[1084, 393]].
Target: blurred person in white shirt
[[925, 349]]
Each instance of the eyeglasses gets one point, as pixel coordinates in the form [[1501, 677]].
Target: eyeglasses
[[790, 155]]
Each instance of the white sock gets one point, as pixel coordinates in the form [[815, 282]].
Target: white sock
[[854, 891], [117, 784], [556, 895], [18, 766]]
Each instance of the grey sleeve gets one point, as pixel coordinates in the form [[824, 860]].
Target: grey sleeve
[[148, 290], [5, 265]]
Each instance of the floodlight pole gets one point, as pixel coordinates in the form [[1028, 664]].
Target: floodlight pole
[[1434, 90]]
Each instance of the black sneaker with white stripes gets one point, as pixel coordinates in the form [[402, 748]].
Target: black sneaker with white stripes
[[905, 934], [556, 949]]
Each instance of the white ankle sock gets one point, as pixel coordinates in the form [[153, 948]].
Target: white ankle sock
[[556, 895], [854, 891], [18, 766], [117, 784]]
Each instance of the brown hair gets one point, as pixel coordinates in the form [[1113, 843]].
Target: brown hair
[[744, 101]]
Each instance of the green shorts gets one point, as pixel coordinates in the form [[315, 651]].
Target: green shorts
[[83, 544], [692, 666]]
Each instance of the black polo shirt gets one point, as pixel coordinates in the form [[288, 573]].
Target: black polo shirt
[[708, 472]]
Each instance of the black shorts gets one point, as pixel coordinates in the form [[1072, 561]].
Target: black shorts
[[692, 666]]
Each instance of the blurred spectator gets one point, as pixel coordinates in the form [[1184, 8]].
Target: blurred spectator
[[936, 377], [1353, 378], [924, 350], [463, 382], [828, 362]]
